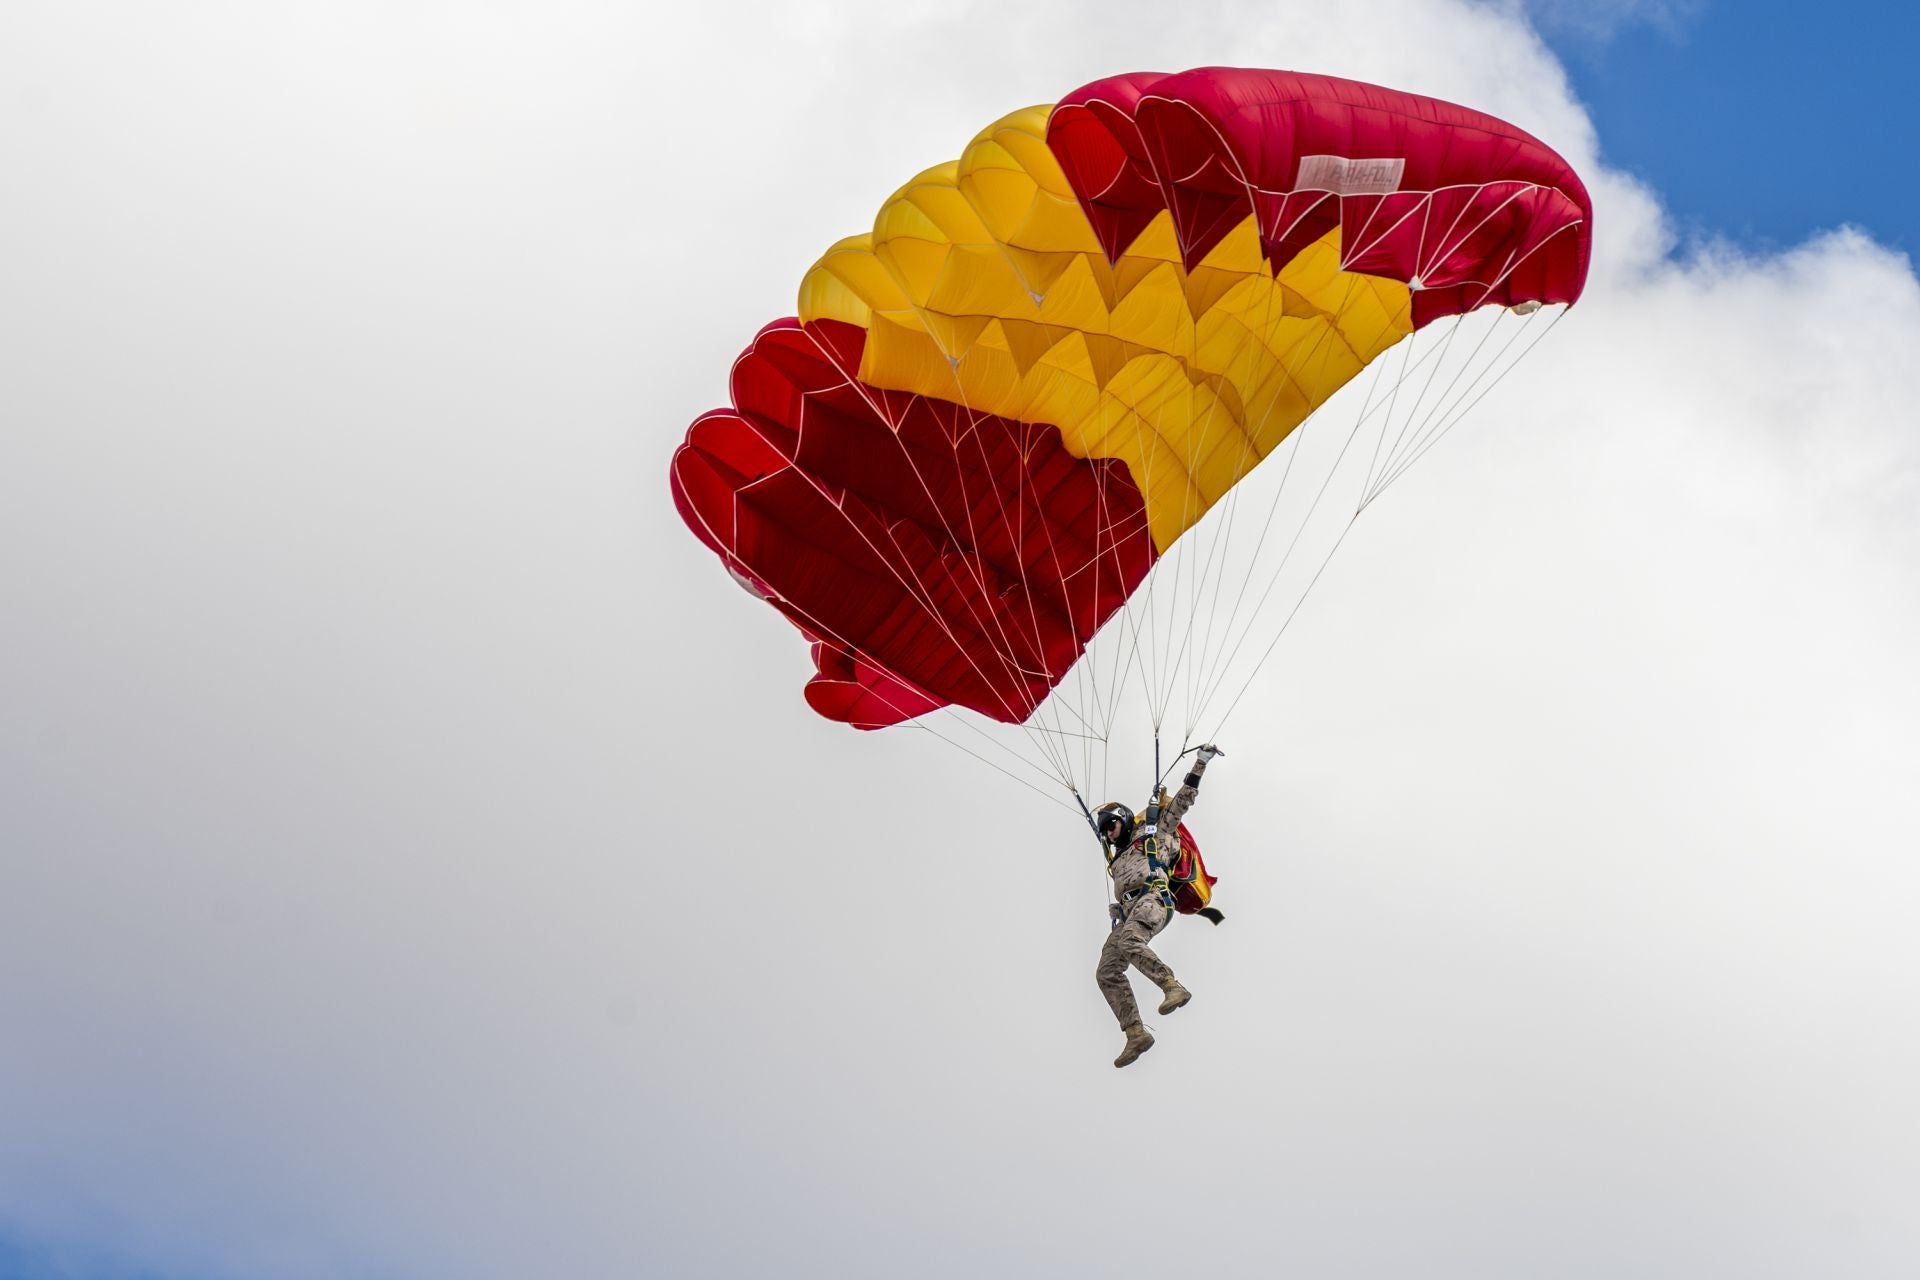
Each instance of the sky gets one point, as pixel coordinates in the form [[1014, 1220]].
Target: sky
[[419, 860], [1756, 122]]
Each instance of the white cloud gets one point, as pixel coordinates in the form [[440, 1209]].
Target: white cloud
[[419, 860]]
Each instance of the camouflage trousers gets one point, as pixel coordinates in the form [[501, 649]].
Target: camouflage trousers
[[1127, 945]]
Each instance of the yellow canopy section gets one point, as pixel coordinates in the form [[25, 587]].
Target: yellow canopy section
[[981, 283]]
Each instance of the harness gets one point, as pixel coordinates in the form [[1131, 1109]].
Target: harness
[[1149, 843]]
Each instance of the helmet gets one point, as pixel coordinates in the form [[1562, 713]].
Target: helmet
[[1106, 815]]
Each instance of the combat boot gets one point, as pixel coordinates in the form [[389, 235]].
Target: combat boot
[[1177, 995], [1139, 1040]]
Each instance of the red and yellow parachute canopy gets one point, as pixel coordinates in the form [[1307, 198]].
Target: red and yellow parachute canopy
[[1050, 357]]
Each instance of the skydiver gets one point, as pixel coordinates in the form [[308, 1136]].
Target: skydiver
[[1142, 904]]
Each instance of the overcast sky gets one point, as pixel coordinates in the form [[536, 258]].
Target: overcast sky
[[417, 860]]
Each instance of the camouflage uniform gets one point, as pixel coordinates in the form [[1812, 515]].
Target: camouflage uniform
[[1143, 914]]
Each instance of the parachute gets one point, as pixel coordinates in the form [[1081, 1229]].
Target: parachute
[[999, 414]]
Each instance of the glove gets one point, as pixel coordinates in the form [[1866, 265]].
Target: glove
[[1207, 752]]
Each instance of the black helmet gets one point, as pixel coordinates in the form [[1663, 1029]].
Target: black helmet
[[1106, 815]]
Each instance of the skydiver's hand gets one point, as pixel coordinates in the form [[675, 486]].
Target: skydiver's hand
[[1207, 752]]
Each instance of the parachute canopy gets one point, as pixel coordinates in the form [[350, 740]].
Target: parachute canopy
[[1048, 359]]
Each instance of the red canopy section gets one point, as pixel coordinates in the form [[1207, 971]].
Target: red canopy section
[[1467, 210], [933, 555]]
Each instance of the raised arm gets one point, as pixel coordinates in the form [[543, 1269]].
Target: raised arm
[[1189, 791]]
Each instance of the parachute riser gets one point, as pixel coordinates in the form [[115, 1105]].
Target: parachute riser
[[1092, 825]]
